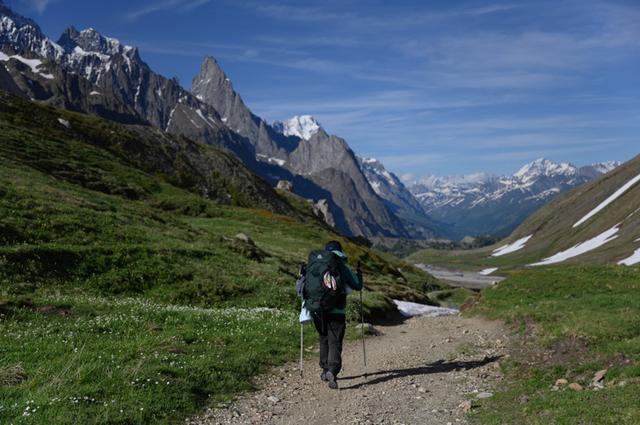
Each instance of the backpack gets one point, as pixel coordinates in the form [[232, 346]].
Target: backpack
[[323, 288]]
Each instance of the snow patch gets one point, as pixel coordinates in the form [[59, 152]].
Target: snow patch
[[173, 111], [271, 160], [581, 248], [278, 161], [64, 122], [512, 247], [207, 120], [487, 272], [408, 309], [633, 259], [609, 200], [34, 64], [95, 93]]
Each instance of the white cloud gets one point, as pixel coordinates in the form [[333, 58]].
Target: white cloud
[[179, 5]]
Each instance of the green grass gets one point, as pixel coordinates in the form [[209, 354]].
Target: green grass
[[587, 318], [112, 278], [128, 360], [452, 298]]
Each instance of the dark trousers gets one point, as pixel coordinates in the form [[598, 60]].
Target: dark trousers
[[331, 329]]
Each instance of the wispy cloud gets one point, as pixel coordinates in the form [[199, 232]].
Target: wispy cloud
[[394, 17], [39, 5], [179, 5]]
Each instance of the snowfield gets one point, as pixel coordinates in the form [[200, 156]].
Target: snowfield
[[304, 127], [512, 247], [408, 309], [487, 272], [609, 200], [581, 248]]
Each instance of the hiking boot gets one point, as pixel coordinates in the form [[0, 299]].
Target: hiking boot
[[323, 376], [331, 380]]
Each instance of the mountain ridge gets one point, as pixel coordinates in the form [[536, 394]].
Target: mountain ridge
[[101, 76], [484, 203]]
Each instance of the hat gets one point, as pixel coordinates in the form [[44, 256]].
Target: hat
[[333, 246]]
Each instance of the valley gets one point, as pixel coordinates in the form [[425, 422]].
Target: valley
[[152, 233]]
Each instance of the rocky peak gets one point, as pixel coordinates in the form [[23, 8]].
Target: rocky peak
[[22, 35], [211, 78], [377, 173], [213, 87], [303, 126], [90, 40], [7, 14]]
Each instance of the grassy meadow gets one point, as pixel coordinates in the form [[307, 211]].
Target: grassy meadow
[[572, 321]]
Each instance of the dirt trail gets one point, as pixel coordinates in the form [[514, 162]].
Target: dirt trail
[[419, 372]]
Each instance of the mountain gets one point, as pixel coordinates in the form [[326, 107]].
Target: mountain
[[87, 72], [399, 199], [598, 222], [320, 165], [487, 204]]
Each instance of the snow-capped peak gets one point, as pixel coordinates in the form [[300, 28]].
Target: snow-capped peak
[[377, 174], [466, 180], [303, 126], [22, 35], [605, 167], [544, 167], [90, 40]]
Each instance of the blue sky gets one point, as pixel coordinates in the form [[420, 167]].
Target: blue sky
[[428, 87]]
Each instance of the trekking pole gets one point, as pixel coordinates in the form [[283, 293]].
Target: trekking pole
[[364, 351], [301, 345]]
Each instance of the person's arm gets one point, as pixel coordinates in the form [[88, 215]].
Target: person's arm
[[353, 280]]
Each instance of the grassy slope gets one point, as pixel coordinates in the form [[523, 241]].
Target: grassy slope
[[552, 227], [574, 321], [125, 299]]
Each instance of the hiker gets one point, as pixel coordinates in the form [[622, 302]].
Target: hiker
[[328, 280]]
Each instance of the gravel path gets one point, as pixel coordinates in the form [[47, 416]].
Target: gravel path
[[425, 371]]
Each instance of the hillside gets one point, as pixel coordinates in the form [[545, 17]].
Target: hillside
[[576, 360], [595, 223], [121, 267]]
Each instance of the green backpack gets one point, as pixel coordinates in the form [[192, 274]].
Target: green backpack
[[323, 288]]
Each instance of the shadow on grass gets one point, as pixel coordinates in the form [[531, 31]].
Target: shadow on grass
[[439, 366]]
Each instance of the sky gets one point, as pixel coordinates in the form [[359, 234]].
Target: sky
[[428, 87]]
